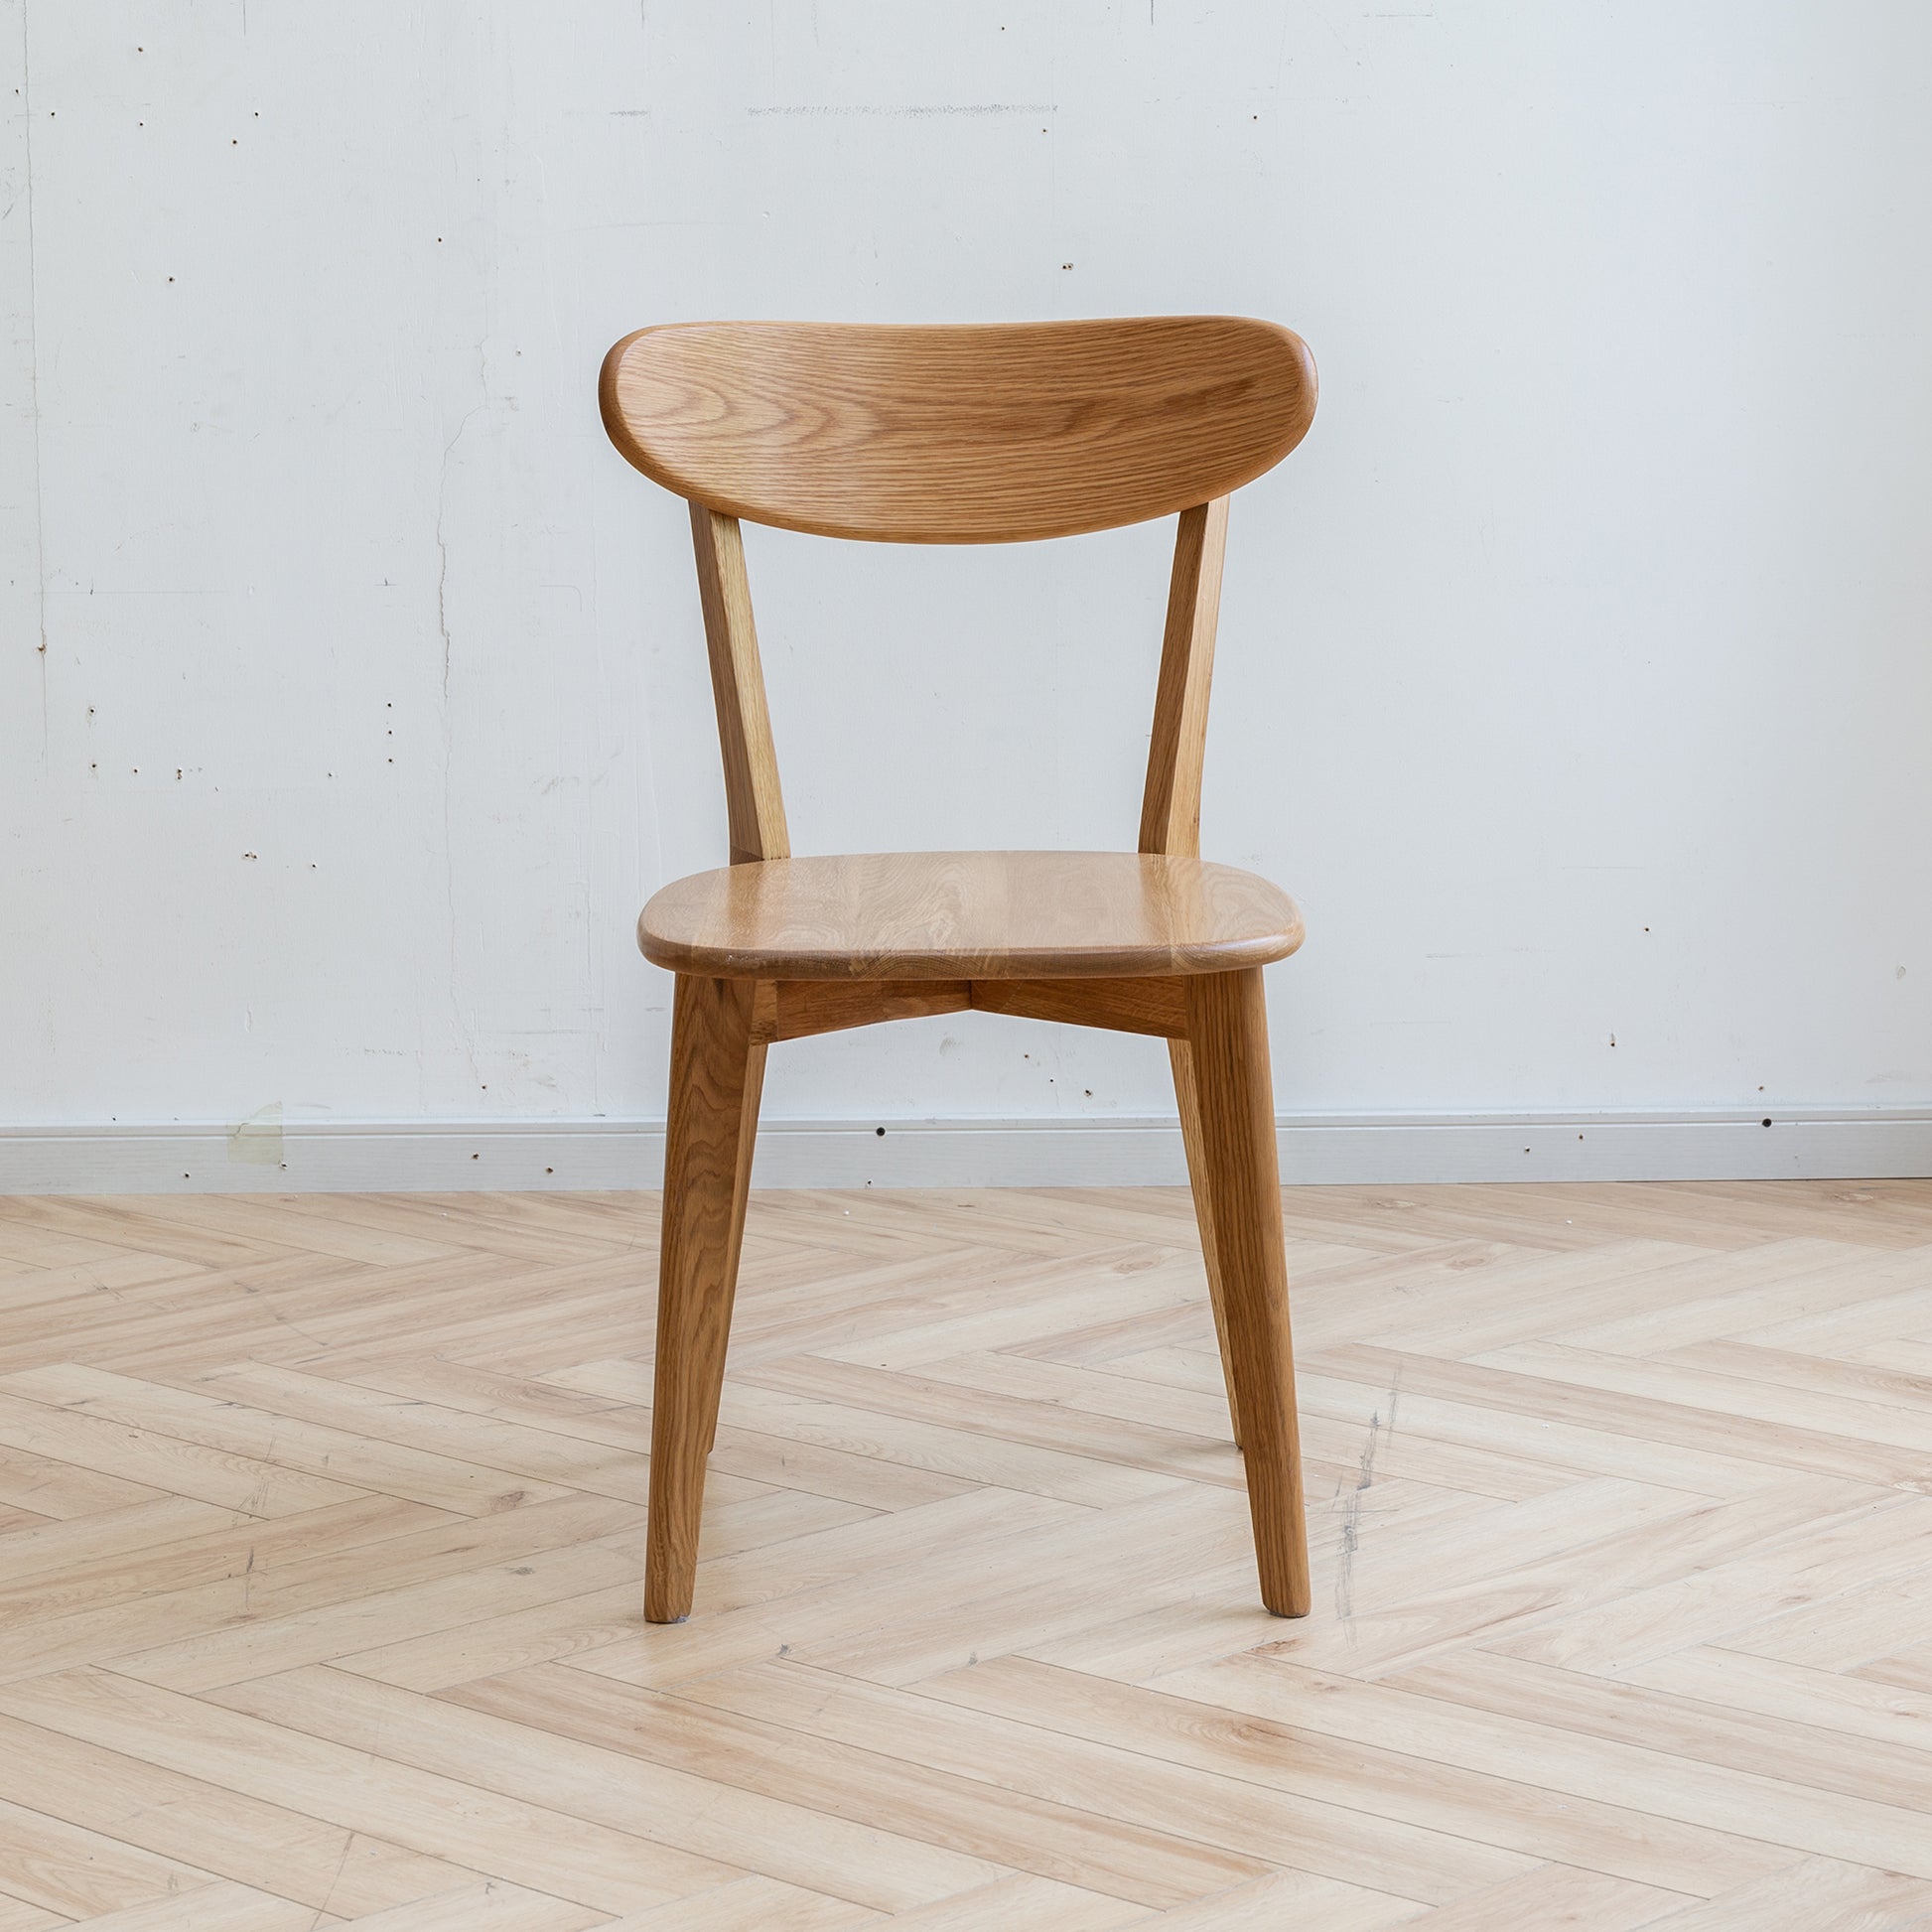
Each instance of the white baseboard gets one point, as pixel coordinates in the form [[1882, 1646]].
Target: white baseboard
[[1386, 1150]]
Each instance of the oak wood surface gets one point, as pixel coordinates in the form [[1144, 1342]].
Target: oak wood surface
[[716, 1071], [1127, 1006], [1181, 1059], [1227, 1039], [980, 916], [987, 434], [799, 1009], [1594, 1639], [753, 800], [1178, 748], [964, 435]]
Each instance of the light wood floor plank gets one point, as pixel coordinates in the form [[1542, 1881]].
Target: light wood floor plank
[[767, 1905], [1554, 1896], [613, 1792], [827, 1772], [442, 1816], [320, 1554], [64, 1490], [66, 1868], [1814, 1893], [200, 1826], [219, 1908], [490, 1906], [227, 1478], [1401, 1857], [16, 1916], [226, 1424], [1384, 1781]]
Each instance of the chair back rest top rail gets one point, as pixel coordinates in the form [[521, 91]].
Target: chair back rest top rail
[[999, 433]]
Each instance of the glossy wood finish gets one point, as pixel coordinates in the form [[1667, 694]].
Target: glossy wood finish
[[980, 916], [753, 800], [1125, 1006], [1227, 1039], [1171, 823], [799, 1009], [1177, 750], [958, 435], [1621, 1539], [1181, 1059], [971, 435], [717, 1068]]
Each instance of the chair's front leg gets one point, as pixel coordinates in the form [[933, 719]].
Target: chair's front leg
[[1227, 1034], [716, 1069]]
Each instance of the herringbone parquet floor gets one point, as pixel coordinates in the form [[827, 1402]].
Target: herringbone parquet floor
[[321, 1538]]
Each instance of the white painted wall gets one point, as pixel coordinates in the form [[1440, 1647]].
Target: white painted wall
[[1574, 673]]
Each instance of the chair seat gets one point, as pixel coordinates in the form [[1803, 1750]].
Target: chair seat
[[1009, 916]]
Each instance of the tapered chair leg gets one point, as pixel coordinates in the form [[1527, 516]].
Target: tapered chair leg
[[1189, 1099], [715, 1068], [747, 1133], [1227, 1032]]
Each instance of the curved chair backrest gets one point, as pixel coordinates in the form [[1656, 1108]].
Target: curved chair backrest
[[972, 433]]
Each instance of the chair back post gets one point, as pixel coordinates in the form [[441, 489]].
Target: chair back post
[[753, 798], [1176, 751]]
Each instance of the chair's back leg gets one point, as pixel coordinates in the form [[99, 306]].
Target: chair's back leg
[[747, 1133], [1227, 1033], [716, 1071], [1182, 1058]]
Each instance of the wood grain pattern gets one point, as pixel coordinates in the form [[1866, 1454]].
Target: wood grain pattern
[[1177, 750], [990, 434], [1227, 1037], [1181, 1058], [1125, 1006], [1600, 1633], [979, 915], [959, 435], [801, 1008], [753, 796], [716, 1072]]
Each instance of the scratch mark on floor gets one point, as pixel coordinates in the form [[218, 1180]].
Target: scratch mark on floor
[[336, 1876], [1351, 1523]]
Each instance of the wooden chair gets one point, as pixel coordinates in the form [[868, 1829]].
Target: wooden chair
[[965, 435]]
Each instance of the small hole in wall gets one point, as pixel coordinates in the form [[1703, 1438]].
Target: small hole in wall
[[1766, 1121], [881, 1132]]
